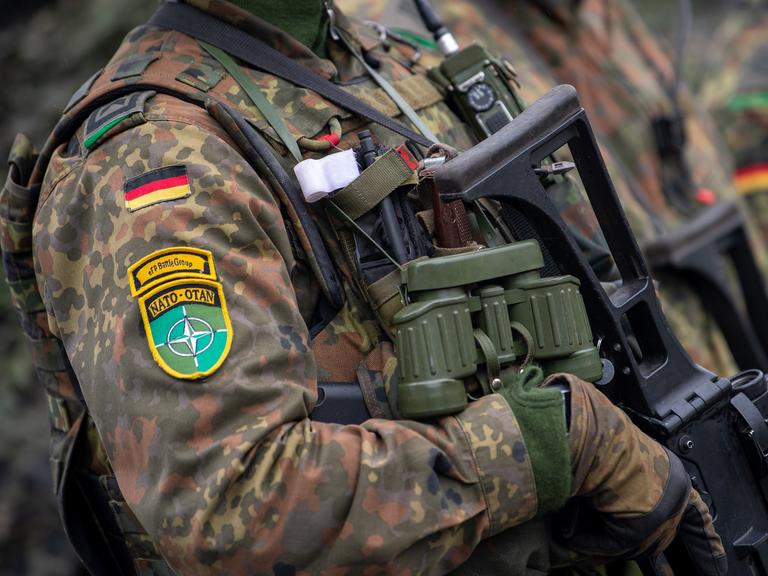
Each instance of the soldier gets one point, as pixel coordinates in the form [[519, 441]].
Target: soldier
[[735, 90], [666, 144], [196, 310]]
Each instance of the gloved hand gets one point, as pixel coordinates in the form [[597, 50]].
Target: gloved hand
[[630, 495]]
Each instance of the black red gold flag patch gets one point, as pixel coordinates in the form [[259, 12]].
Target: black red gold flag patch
[[751, 179], [161, 185]]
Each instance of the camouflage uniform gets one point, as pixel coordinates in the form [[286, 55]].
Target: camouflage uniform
[[218, 466], [736, 91]]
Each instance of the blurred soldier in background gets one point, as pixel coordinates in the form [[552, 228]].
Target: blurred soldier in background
[[736, 90], [671, 154]]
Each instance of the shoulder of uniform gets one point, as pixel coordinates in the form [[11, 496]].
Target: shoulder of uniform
[[138, 108], [145, 65], [177, 151], [115, 116]]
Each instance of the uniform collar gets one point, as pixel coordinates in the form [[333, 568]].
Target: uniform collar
[[274, 37]]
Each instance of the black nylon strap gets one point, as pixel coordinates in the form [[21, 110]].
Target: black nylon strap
[[201, 26]]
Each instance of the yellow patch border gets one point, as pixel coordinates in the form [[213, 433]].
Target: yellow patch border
[[148, 330], [134, 268]]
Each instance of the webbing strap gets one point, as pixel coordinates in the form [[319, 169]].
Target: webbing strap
[[376, 182], [492, 364], [199, 25], [256, 96], [397, 98]]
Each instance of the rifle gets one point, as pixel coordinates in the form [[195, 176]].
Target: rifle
[[716, 425], [699, 253]]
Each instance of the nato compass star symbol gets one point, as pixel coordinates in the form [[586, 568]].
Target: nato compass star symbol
[[189, 336]]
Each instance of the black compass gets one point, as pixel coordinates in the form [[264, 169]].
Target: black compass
[[481, 97]]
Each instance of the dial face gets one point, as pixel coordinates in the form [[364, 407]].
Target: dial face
[[481, 97]]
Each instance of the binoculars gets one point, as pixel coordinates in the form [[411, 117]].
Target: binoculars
[[479, 315]]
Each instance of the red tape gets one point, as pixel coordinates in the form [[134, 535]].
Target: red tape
[[333, 138], [407, 156]]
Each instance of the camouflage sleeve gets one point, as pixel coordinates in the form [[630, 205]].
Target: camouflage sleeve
[[226, 472]]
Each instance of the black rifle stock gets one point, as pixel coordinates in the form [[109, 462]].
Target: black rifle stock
[[716, 425], [699, 253]]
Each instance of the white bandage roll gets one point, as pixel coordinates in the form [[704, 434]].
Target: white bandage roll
[[318, 178]]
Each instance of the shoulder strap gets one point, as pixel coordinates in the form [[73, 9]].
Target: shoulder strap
[[199, 25]]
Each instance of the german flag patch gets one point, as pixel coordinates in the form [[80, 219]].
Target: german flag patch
[[161, 185], [751, 179]]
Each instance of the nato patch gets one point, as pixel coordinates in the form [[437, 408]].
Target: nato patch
[[187, 326], [169, 264], [161, 185]]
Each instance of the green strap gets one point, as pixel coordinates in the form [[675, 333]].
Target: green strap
[[258, 99], [742, 101], [492, 364], [390, 90], [94, 137], [375, 183]]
